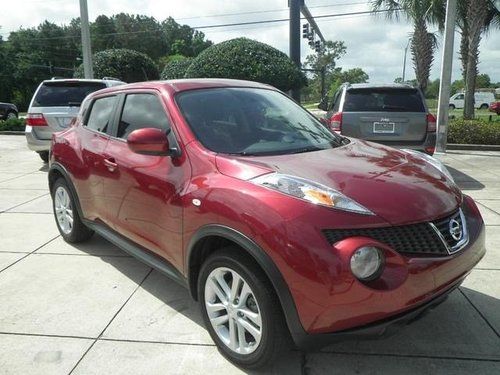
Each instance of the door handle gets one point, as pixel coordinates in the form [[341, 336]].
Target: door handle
[[110, 164]]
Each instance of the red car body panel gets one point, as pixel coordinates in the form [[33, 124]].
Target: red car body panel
[[149, 199]]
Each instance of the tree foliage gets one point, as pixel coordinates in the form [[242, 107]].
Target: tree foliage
[[355, 75], [176, 69], [247, 59], [31, 55], [124, 64]]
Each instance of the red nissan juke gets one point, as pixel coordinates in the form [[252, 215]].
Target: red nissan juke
[[279, 228]]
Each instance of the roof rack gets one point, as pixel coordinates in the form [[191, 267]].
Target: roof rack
[[110, 79]]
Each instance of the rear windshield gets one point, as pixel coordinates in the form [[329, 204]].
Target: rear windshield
[[64, 94], [383, 100]]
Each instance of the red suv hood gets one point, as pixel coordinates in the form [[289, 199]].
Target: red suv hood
[[396, 186]]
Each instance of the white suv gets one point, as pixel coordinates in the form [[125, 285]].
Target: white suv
[[55, 104]]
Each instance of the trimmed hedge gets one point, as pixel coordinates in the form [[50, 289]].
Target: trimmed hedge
[[247, 59], [124, 64], [176, 69], [15, 124], [474, 132]]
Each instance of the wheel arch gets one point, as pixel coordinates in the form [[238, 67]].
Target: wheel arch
[[212, 237], [57, 171]]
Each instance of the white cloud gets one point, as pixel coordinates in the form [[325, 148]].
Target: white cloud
[[373, 43]]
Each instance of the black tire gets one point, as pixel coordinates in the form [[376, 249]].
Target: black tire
[[452, 106], [275, 338], [79, 232], [484, 106], [11, 115], [44, 155]]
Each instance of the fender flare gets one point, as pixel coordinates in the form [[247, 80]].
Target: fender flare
[[60, 169], [262, 259]]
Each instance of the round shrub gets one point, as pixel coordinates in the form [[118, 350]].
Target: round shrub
[[176, 69], [474, 132], [124, 64], [247, 59]]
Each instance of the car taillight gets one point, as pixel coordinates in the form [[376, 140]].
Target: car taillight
[[36, 119], [336, 122], [431, 123]]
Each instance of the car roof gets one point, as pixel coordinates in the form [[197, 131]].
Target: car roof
[[380, 86], [178, 85], [80, 80]]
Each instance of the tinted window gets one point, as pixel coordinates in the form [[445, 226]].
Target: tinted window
[[141, 111], [101, 113], [64, 94], [383, 100], [252, 122]]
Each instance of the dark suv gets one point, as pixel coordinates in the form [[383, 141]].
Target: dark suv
[[394, 114], [8, 111]]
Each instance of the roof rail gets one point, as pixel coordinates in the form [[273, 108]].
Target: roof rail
[[54, 78], [110, 79]]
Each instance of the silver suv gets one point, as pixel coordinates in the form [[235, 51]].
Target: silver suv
[[393, 114], [55, 104]]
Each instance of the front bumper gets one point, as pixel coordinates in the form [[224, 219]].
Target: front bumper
[[34, 143], [384, 328]]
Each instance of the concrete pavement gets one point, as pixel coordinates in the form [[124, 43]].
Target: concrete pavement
[[92, 309]]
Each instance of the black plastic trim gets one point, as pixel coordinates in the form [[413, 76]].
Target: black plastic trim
[[138, 252], [265, 262], [59, 168]]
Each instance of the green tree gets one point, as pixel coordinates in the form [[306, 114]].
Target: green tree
[[247, 59], [483, 81], [176, 68], [474, 18], [355, 75], [423, 43], [124, 64], [433, 89]]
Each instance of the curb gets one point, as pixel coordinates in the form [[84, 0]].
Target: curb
[[455, 146], [12, 132]]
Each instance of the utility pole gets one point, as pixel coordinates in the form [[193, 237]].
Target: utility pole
[[404, 61], [445, 79], [86, 50], [294, 37]]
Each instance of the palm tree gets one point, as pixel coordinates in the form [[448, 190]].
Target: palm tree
[[423, 43], [474, 17]]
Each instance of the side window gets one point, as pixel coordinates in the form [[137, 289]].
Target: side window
[[141, 111], [101, 114], [460, 97]]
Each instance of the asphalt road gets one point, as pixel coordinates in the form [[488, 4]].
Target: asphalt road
[[91, 309]]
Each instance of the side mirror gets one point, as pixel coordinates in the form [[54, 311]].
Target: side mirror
[[150, 141], [323, 105]]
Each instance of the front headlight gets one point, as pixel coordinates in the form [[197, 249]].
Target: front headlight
[[432, 161], [310, 191]]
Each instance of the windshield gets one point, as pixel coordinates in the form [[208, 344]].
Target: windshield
[[250, 121], [65, 94], [383, 100]]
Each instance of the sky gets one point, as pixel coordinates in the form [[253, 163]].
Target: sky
[[374, 43]]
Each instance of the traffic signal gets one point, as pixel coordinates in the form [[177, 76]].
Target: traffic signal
[[305, 31], [317, 46], [311, 37]]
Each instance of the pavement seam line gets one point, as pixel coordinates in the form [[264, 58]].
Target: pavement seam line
[[488, 208], [13, 178], [111, 321], [480, 313], [28, 254], [28, 201], [88, 255]]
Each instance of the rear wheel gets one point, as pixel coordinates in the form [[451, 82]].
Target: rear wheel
[[452, 106], [67, 218], [11, 115], [240, 309], [44, 155], [484, 106]]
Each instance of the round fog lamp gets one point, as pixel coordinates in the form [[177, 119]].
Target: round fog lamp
[[366, 262]]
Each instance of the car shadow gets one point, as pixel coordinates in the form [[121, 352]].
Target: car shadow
[[44, 168], [464, 181], [177, 298]]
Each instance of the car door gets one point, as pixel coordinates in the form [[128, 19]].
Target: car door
[[94, 137], [142, 194], [459, 101]]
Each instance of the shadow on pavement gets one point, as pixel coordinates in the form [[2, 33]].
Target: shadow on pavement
[[464, 181]]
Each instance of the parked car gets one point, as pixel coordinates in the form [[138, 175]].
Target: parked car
[[481, 100], [277, 226], [8, 111], [495, 107], [392, 114], [54, 105]]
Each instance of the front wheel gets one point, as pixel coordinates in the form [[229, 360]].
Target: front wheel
[[240, 309], [484, 106], [67, 218], [452, 106]]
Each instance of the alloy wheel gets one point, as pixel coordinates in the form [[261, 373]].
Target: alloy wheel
[[233, 310], [63, 209]]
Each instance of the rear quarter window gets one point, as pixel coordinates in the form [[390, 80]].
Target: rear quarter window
[[383, 100], [64, 94]]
